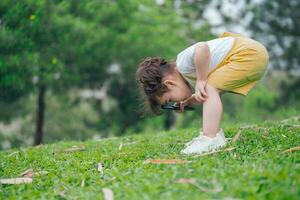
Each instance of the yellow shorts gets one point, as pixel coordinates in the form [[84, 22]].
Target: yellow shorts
[[243, 66]]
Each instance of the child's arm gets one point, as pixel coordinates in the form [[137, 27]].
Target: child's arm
[[202, 61]]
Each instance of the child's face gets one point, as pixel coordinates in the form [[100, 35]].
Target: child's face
[[178, 91]]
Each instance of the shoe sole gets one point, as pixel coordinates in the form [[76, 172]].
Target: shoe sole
[[215, 149]]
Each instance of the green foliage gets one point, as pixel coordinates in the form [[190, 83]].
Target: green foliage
[[255, 169], [280, 29], [257, 105], [72, 44], [66, 119]]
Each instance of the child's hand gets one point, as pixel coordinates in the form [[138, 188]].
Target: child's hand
[[181, 107], [187, 102], [191, 101], [182, 104], [200, 90]]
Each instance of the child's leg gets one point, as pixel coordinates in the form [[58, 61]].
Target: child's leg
[[212, 112]]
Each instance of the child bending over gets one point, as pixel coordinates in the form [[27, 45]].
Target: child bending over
[[200, 75]]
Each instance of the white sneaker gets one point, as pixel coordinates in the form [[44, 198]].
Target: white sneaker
[[221, 132], [204, 144], [194, 139]]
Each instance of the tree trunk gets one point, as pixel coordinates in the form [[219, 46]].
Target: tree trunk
[[40, 113]]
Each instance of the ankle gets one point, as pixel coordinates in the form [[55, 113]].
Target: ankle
[[210, 135]]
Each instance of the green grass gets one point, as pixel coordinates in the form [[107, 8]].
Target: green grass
[[255, 169]]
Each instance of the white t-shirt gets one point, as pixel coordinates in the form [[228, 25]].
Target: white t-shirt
[[218, 50]]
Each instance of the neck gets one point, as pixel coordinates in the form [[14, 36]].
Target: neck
[[184, 81], [180, 76]]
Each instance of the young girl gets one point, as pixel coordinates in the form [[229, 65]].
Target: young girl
[[201, 73]]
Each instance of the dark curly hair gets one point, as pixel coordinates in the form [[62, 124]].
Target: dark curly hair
[[149, 76]]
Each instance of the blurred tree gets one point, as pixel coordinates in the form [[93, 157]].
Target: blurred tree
[[148, 29], [57, 45], [37, 42], [277, 23]]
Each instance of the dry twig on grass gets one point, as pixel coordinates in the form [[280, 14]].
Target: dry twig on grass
[[291, 150], [13, 181], [74, 149], [165, 161], [236, 137]]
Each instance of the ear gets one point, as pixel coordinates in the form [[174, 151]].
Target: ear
[[169, 83]]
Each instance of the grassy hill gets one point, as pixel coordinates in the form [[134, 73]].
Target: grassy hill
[[254, 167]]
